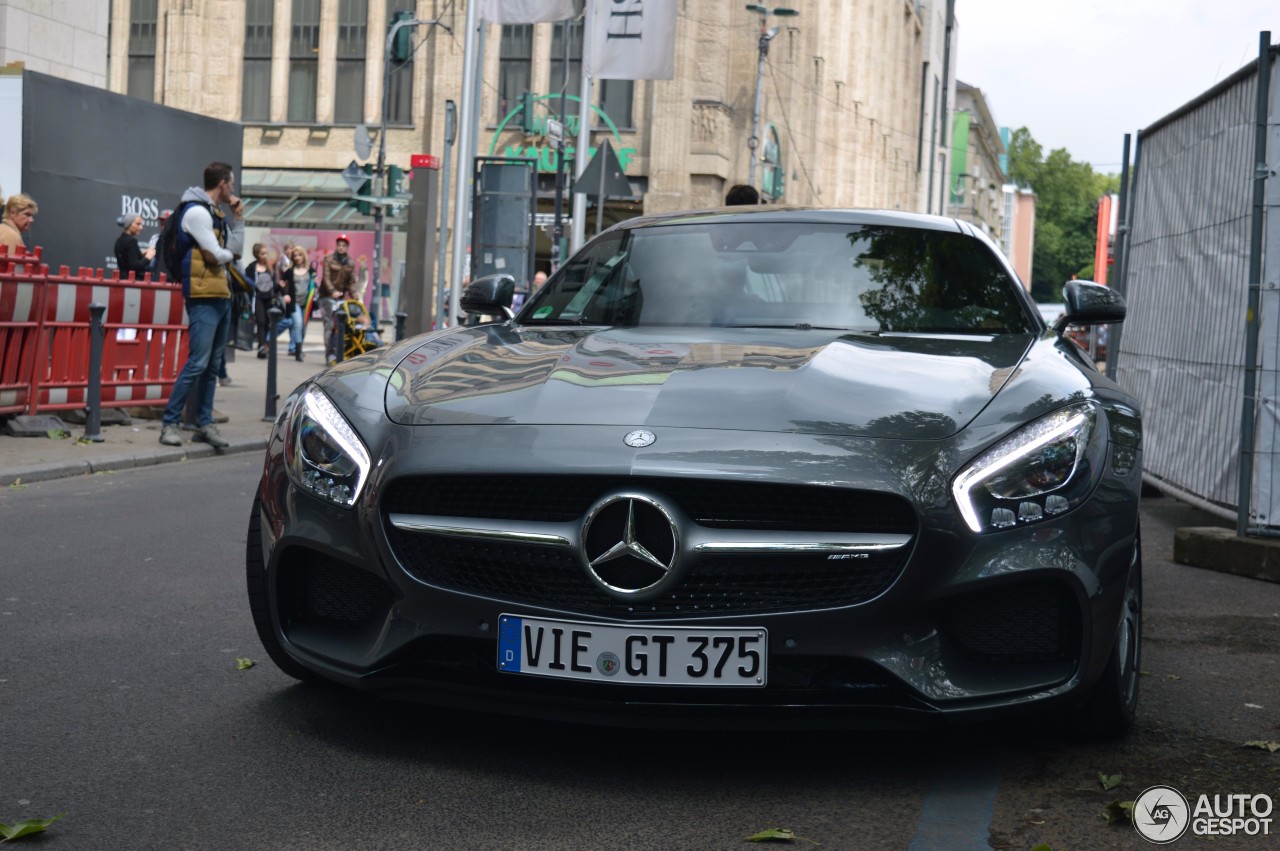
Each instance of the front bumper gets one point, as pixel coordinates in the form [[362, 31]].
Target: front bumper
[[966, 627]]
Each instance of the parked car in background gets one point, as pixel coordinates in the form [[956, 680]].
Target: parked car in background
[[730, 467]]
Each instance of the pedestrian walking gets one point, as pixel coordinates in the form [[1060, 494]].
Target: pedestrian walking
[[263, 277], [19, 213], [337, 278], [300, 284], [206, 242], [129, 256]]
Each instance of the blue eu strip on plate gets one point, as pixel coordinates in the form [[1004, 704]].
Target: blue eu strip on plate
[[509, 644]]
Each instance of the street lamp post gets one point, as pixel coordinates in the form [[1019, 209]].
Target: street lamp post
[[767, 35], [379, 176]]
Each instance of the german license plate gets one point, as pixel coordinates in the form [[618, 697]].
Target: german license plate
[[649, 655]]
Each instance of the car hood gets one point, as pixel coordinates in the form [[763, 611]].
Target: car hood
[[798, 381]]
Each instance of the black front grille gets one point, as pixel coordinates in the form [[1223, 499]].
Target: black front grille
[[553, 577], [714, 503], [1027, 622], [319, 591]]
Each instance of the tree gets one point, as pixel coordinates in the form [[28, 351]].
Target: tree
[[1067, 194]]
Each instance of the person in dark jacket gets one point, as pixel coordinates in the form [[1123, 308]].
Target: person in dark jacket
[[129, 257]]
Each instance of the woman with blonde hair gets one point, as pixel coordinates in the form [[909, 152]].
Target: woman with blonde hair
[[19, 213], [300, 282]]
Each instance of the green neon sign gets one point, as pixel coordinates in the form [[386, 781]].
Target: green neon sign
[[546, 154]]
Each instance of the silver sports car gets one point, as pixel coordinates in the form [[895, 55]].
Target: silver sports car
[[743, 466]]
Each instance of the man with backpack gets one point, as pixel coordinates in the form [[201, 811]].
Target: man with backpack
[[198, 244]]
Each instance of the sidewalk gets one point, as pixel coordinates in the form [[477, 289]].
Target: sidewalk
[[35, 459]]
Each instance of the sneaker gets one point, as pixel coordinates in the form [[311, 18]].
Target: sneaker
[[262, 353], [170, 434], [209, 434], [298, 355], [225, 382]]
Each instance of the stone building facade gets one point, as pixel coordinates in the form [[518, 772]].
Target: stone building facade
[[66, 39], [849, 114], [977, 170]]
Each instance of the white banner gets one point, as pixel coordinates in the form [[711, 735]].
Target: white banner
[[526, 11], [631, 40]]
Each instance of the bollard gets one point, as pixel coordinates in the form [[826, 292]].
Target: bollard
[[401, 319], [93, 410], [273, 319], [339, 334]]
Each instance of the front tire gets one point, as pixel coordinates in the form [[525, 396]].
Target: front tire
[[1111, 706], [260, 605]]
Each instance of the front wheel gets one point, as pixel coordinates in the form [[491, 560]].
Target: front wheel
[[260, 605], [1111, 706]]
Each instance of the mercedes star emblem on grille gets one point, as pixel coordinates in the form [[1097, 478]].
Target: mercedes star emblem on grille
[[631, 544], [638, 438]]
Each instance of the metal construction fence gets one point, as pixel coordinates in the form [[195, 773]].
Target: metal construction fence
[[1189, 271], [45, 330]]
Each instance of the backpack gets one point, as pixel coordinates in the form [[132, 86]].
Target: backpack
[[168, 258]]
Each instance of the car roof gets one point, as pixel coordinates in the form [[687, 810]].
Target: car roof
[[807, 215]]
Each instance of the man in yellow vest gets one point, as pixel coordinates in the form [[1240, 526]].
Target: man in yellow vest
[[207, 242]]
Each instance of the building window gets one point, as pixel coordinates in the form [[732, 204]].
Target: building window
[[255, 95], [304, 60], [515, 66], [615, 100], [400, 78], [558, 33], [353, 30], [142, 49]]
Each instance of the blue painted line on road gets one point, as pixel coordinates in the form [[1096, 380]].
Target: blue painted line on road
[[960, 804]]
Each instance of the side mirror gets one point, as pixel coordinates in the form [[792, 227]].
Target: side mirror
[[490, 295], [1088, 303]]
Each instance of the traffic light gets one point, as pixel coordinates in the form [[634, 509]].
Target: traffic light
[[366, 189], [526, 112], [395, 180], [402, 44]]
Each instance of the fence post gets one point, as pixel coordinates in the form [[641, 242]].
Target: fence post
[[93, 408], [273, 319]]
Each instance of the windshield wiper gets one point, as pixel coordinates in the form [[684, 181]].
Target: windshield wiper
[[581, 320], [794, 326]]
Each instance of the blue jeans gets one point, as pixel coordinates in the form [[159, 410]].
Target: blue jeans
[[208, 324]]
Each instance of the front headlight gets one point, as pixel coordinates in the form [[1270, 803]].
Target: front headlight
[[323, 454], [1038, 472]]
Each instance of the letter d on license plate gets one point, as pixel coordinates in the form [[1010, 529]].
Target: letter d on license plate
[[649, 655]]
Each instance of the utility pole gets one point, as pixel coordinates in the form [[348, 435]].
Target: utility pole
[[767, 34], [379, 193]]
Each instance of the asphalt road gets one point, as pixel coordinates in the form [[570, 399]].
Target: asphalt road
[[122, 612]]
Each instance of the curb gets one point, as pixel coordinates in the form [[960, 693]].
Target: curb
[[51, 470], [1217, 548]]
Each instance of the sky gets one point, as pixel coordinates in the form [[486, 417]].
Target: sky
[[1081, 74]]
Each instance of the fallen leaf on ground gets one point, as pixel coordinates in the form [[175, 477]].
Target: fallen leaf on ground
[[1118, 812], [1261, 745], [26, 827], [774, 834], [1110, 781], [242, 663]]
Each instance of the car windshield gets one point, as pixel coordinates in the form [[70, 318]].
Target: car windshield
[[784, 275]]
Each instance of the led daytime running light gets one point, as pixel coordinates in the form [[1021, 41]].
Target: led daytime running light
[[320, 409], [1000, 457]]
